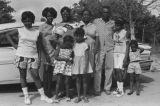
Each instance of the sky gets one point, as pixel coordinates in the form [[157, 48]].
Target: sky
[[36, 6]]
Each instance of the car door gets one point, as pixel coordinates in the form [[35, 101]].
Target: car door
[[9, 73], [8, 70]]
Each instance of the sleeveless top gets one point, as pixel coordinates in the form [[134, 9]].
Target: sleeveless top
[[27, 45]]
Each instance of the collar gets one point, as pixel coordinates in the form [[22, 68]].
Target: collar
[[109, 22]]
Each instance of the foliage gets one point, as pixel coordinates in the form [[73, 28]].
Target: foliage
[[5, 17], [5, 12], [135, 12]]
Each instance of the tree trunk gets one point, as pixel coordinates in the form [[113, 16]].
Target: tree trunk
[[131, 23], [132, 29], [154, 40], [143, 34]]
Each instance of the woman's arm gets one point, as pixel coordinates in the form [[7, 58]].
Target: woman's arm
[[8, 36], [86, 59], [141, 49], [97, 44]]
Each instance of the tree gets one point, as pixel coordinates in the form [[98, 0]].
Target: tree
[[5, 17], [133, 11], [5, 12]]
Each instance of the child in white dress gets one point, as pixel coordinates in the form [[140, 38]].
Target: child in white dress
[[81, 65], [134, 66], [119, 55]]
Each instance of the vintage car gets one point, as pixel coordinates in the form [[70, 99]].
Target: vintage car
[[9, 74], [145, 56]]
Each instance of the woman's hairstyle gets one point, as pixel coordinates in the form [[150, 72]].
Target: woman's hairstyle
[[65, 8], [90, 13], [28, 14], [68, 38], [79, 32], [119, 22], [50, 10], [134, 42]]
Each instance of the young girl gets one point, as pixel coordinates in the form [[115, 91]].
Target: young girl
[[119, 55], [81, 63], [134, 66], [63, 64], [27, 56]]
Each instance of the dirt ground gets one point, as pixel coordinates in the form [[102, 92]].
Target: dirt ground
[[149, 96]]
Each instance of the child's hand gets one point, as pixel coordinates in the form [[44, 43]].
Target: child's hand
[[58, 36]]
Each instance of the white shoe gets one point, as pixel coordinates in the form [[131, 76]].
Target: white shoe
[[46, 99], [120, 93], [27, 100], [115, 92]]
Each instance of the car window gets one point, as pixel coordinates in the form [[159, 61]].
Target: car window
[[4, 42]]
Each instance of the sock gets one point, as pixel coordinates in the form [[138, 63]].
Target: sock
[[118, 84], [41, 91], [121, 86], [25, 91]]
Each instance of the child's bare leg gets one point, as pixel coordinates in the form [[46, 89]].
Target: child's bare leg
[[78, 85], [120, 91], [67, 87], [85, 83], [137, 84], [59, 77], [131, 83]]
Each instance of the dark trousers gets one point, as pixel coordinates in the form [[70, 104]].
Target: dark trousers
[[47, 80]]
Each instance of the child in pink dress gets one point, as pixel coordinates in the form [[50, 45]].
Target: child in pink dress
[[81, 66]]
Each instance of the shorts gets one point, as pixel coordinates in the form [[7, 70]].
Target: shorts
[[134, 67], [118, 60], [27, 63]]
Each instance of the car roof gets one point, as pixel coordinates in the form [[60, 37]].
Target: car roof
[[10, 26]]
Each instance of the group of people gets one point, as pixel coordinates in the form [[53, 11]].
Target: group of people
[[78, 47]]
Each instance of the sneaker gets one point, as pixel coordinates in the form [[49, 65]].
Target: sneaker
[[27, 100], [120, 93], [115, 92], [107, 92], [46, 99]]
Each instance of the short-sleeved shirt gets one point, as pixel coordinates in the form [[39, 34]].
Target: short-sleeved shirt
[[105, 33], [134, 56], [27, 45]]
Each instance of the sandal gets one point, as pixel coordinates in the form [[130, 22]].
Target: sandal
[[56, 100], [137, 93], [68, 99], [130, 93], [77, 100], [85, 99]]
